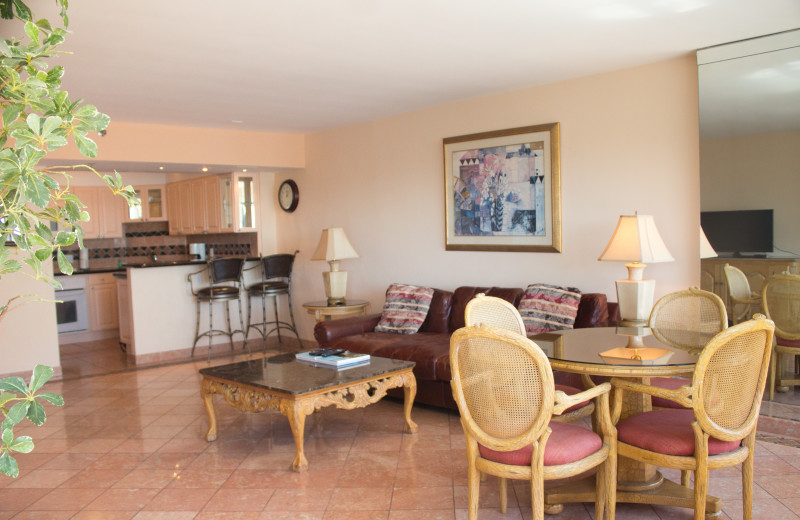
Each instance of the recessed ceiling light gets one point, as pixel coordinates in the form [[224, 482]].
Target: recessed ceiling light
[[160, 167], [205, 169], [244, 170]]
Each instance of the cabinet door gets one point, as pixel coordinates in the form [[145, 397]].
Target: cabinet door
[[246, 199], [212, 203], [173, 209], [187, 217], [102, 302], [198, 206], [112, 213], [136, 213], [154, 202], [89, 196], [124, 308]]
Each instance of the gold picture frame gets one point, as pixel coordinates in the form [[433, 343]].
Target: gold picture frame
[[503, 190]]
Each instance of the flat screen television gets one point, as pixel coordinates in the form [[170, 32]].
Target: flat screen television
[[739, 232]]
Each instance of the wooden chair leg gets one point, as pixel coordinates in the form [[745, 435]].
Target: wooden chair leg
[[747, 486], [473, 488], [537, 499], [685, 478], [700, 491], [503, 484], [772, 366]]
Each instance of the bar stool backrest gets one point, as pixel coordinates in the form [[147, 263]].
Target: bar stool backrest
[[225, 270], [277, 266]]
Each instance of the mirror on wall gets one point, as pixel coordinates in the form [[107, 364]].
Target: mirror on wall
[[750, 136]]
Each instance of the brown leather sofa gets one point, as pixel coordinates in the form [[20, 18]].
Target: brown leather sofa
[[430, 347]]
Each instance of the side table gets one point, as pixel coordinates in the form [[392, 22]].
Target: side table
[[324, 312]]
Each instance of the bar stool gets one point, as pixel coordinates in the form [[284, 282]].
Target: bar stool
[[224, 277], [276, 278]]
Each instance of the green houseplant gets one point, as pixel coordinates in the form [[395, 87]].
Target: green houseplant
[[37, 118]]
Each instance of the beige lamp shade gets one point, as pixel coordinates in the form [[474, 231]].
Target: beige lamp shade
[[334, 246], [636, 241], [706, 251]]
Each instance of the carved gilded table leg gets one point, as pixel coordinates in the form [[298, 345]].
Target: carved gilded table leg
[[208, 395], [296, 412], [409, 393]]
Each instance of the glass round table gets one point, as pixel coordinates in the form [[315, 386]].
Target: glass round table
[[636, 353]]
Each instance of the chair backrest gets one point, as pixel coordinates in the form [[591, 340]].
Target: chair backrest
[[678, 318], [780, 301], [503, 386], [277, 266], [738, 286], [495, 312], [225, 270], [729, 379]]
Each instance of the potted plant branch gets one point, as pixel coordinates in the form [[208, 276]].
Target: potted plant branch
[[37, 118]]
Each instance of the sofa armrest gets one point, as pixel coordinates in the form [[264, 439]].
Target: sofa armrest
[[592, 311], [328, 331]]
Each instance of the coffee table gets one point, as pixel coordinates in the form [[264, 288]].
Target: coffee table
[[298, 389]]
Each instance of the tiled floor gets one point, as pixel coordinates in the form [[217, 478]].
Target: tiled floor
[[129, 445]]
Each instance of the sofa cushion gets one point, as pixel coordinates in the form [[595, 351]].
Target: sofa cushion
[[405, 309], [439, 312], [547, 307]]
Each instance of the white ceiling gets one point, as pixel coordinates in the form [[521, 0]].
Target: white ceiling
[[301, 66]]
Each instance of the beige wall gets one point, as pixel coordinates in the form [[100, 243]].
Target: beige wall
[[629, 141], [28, 335], [755, 172]]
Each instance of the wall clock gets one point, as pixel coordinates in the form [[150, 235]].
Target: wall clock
[[288, 195]]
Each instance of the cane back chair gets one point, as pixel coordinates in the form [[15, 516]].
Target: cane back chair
[[224, 277], [781, 304], [497, 312], [276, 280], [718, 429], [503, 386], [676, 320], [742, 298]]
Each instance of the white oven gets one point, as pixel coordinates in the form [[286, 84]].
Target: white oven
[[71, 311]]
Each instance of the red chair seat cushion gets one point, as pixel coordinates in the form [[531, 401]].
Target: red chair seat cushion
[[668, 432], [571, 390], [568, 443], [669, 383]]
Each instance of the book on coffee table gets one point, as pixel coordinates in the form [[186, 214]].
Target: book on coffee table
[[343, 359]]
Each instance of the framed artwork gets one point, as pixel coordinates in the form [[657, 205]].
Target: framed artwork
[[503, 190]]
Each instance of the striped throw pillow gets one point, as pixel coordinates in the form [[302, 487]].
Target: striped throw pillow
[[405, 308], [549, 307]]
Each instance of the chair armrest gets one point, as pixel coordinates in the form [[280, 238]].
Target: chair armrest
[[190, 278], [328, 331], [682, 395], [564, 401]]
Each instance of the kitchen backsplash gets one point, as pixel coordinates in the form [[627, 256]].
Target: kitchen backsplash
[[144, 239]]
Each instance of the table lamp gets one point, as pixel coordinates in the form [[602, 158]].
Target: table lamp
[[637, 242], [334, 246]]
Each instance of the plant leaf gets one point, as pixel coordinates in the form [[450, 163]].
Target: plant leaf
[[14, 384], [41, 375], [16, 413], [8, 465], [64, 266], [86, 146], [22, 444], [36, 413], [51, 398]]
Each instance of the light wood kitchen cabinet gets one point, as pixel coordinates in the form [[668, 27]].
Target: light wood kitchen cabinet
[[101, 299], [107, 211], [153, 206], [124, 309], [213, 204]]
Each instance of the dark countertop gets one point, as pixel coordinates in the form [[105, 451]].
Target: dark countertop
[[143, 265]]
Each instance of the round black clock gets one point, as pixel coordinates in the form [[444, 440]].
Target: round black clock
[[288, 195]]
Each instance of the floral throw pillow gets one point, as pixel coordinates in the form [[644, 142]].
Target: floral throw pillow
[[405, 309], [546, 307]]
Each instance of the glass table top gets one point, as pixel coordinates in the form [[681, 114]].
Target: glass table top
[[624, 346], [284, 374]]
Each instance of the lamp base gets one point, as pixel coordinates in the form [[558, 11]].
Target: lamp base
[[635, 299], [335, 286]]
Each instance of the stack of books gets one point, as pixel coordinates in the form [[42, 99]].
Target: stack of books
[[335, 358]]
